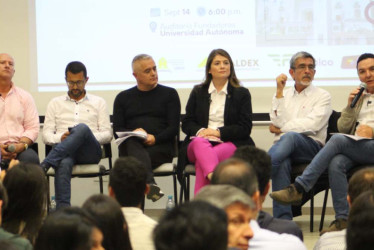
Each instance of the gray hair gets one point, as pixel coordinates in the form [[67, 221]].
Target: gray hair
[[223, 196], [301, 54], [139, 58]]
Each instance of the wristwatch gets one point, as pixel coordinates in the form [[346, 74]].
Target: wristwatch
[[25, 144]]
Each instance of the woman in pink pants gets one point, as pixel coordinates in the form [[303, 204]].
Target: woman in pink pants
[[218, 118]]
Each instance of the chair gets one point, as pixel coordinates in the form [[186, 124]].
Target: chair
[[169, 168], [86, 170], [185, 185], [322, 183]]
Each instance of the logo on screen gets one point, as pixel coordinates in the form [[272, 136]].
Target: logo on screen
[[349, 62], [281, 60]]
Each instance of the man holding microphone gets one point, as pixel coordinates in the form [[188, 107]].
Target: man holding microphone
[[342, 153], [19, 117]]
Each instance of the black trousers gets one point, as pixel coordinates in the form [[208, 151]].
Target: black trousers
[[150, 156]]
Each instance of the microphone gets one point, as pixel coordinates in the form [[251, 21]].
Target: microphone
[[11, 148], [355, 100]]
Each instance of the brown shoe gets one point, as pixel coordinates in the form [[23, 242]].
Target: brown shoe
[[287, 196], [336, 225]]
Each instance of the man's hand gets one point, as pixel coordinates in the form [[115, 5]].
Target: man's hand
[[139, 129], [281, 83], [7, 155], [66, 134], [364, 131], [352, 95], [275, 130], [209, 132], [151, 140]]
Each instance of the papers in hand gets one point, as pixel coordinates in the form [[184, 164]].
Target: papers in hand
[[354, 137], [124, 135], [211, 139]]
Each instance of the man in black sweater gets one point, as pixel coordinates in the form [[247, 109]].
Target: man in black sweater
[[151, 108]]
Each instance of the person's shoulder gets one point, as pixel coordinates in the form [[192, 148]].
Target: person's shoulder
[[320, 91], [266, 238], [22, 92], [95, 97], [17, 240], [166, 88]]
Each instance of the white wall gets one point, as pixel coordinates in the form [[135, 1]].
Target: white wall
[[16, 39]]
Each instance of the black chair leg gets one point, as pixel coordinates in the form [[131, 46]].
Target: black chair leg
[[323, 210], [187, 193], [183, 189], [175, 190], [311, 209], [48, 195], [101, 184]]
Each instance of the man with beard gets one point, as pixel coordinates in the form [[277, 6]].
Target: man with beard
[[342, 153], [299, 117], [76, 125]]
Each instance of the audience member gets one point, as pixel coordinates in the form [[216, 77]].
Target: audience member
[[8, 245], [194, 225], [341, 153], [240, 174], [238, 207], [151, 108], [110, 220], [360, 182], [9, 240], [27, 192], [299, 117], [218, 118], [360, 228], [19, 117], [69, 228], [128, 185], [261, 163], [75, 124]]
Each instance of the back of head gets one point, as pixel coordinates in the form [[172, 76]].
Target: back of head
[[361, 181], [194, 225], [109, 218], [3, 198], [360, 228], [75, 67], [27, 193], [259, 160], [128, 181], [238, 173], [66, 228], [223, 196]]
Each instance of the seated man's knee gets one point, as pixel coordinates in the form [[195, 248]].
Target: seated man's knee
[[337, 165], [337, 139]]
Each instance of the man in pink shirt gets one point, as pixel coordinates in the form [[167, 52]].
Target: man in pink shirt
[[19, 119]]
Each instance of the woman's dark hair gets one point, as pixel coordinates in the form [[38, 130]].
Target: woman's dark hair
[[27, 196], [66, 228], [232, 77], [109, 218]]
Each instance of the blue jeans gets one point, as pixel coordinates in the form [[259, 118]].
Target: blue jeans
[[292, 148], [80, 147], [339, 155]]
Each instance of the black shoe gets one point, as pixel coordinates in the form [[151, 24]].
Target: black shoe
[[154, 193], [45, 166]]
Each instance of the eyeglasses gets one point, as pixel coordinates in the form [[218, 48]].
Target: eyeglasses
[[303, 67], [78, 83]]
